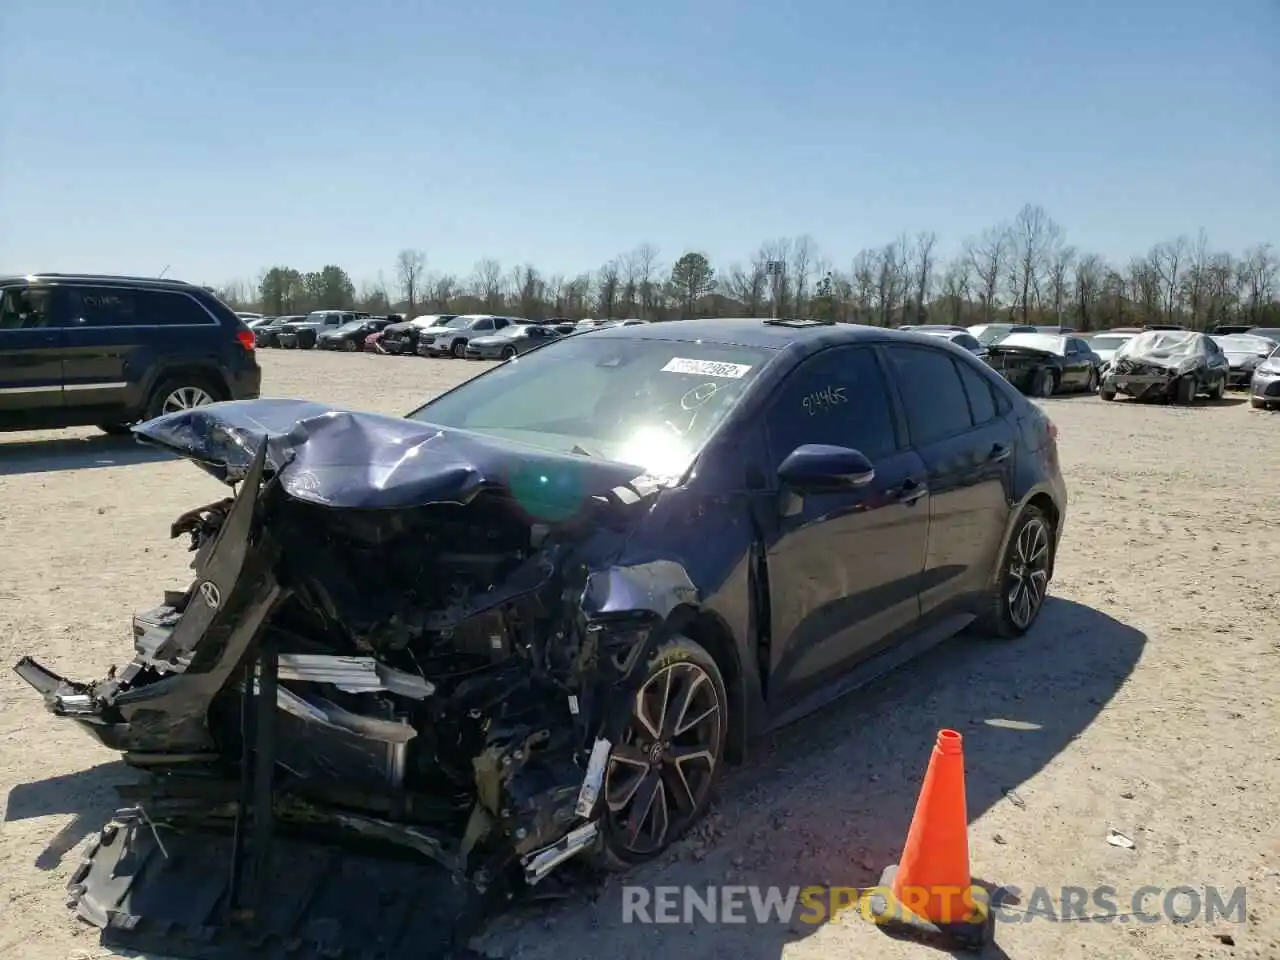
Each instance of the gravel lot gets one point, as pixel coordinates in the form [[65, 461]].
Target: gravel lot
[[1144, 701]]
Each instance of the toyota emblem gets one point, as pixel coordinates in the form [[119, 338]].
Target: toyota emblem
[[211, 594]]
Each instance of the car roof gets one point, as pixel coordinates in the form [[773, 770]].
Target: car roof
[[109, 279], [760, 332]]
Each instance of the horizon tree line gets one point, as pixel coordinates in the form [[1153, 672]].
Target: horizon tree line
[[1020, 270]]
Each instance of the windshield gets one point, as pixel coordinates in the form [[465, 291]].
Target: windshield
[[429, 320], [650, 403], [1271, 334], [1035, 341], [457, 323], [316, 317], [1107, 343], [351, 326], [992, 333]]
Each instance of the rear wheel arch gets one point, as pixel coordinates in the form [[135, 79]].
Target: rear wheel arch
[[203, 374], [1041, 499]]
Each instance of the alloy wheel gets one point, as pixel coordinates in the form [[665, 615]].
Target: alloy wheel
[[186, 398], [660, 773], [1028, 579]]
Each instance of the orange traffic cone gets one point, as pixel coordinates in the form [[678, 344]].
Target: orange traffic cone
[[930, 892]]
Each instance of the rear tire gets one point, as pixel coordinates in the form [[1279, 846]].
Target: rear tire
[[1044, 385], [679, 768], [1092, 385], [181, 393], [1015, 600]]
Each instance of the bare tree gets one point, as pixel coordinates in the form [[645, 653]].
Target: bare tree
[[1258, 269], [863, 273], [1090, 277], [1032, 239], [486, 282], [607, 289], [630, 274], [443, 289], [987, 255], [923, 261], [1195, 279], [527, 290], [1168, 260], [1061, 260], [800, 269], [956, 290], [645, 259], [747, 286], [410, 265]]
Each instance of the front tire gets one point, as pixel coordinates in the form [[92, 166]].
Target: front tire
[[459, 349], [1219, 390], [1107, 393], [1184, 391], [662, 771], [1016, 598], [508, 353]]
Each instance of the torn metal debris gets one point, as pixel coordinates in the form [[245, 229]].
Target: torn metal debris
[[389, 641]]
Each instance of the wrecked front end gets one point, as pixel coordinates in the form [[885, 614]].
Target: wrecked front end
[[1143, 379], [384, 649], [1153, 365]]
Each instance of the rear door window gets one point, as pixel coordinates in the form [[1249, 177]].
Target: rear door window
[[102, 307], [982, 397]]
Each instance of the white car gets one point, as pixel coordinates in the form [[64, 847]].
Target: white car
[[450, 339], [1105, 344]]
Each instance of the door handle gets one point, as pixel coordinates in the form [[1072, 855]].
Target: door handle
[[998, 453], [911, 491]]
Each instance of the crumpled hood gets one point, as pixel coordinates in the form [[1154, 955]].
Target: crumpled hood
[[354, 460]]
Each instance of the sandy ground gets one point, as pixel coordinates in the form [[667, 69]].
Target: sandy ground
[[1144, 701]]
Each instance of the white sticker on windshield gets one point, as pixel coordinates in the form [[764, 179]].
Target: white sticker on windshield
[[706, 368]]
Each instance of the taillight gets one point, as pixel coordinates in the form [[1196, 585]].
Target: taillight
[[247, 339]]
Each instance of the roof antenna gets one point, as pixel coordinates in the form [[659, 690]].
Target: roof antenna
[[160, 276]]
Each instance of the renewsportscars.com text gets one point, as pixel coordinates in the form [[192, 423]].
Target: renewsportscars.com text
[[816, 905]]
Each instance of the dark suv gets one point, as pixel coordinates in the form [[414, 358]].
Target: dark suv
[[81, 349]]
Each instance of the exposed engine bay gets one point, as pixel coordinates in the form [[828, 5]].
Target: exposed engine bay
[[421, 677]]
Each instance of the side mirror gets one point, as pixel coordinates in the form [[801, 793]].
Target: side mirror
[[816, 466]]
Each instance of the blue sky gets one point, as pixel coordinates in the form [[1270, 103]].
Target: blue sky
[[221, 138]]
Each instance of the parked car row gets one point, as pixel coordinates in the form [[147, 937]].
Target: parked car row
[[1156, 361], [478, 336]]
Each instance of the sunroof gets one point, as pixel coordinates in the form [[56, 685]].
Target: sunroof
[[800, 322]]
